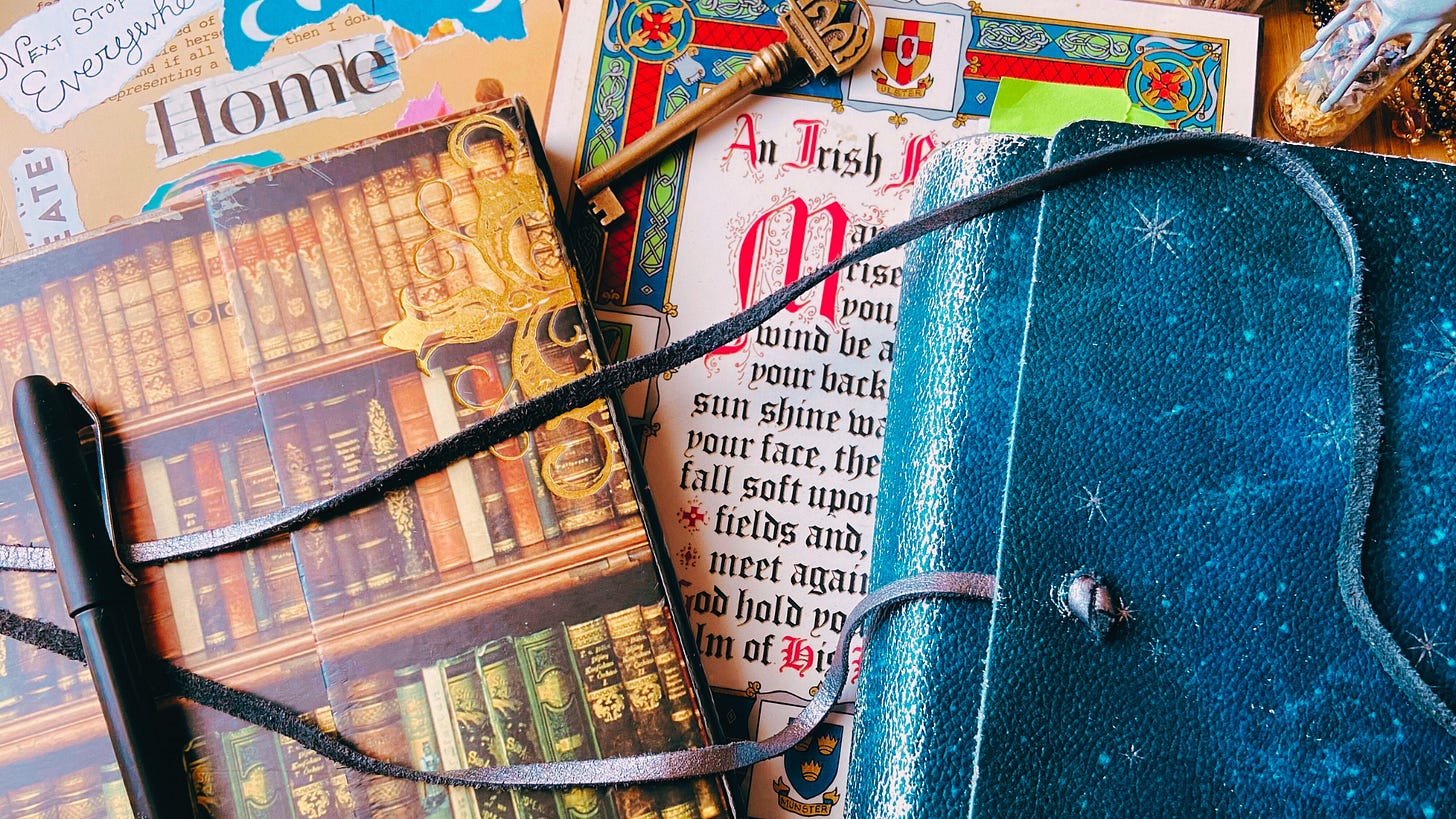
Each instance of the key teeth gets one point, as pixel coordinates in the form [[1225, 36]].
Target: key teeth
[[605, 207]]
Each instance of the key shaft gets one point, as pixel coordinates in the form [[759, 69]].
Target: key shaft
[[765, 68], [817, 36]]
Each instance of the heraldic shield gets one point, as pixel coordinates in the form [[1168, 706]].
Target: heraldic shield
[[906, 49], [813, 764]]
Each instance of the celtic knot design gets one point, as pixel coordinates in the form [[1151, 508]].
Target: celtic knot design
[[1008, 36]]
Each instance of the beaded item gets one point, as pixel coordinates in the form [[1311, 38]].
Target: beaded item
[[1429, 109]]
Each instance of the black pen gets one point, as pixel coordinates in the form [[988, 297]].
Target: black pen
[[93, 581]]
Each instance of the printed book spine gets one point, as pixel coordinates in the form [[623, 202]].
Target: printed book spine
[[252, 559], [376, 727], [331, 447], [556, 699], [263, 329], [281, 259], [408, 544], [65, 335], [477, 737], [95, 353], [398, 264], [163, 506], [118, 337], [201, 312], [486, 468], [421, 260], [171, 321], [261, 494], [207, 776], [158, 624], [14, 365], [447, 734], [512, 721], [443, 520], [433, 192], [37, 332], [216, 262], [419, 731], [206, 584], [256, 775], [212, 492], [290, 449], [484, 380], [339, 261], [531, 458], [327, 310], [464, 208], [375, 277], [471, 500], [606, 703]]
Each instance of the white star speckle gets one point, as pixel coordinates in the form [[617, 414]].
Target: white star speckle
[[1155, 230], [1156, 651], [1133, 754], [1331, 430], [1427, 646], [1092, 501], [1444, 358]]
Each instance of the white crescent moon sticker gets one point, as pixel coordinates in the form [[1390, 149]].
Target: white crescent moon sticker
[[488, 5], [309, 5], [249, 24]]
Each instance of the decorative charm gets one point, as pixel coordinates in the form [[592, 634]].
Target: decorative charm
[[1358, 58]]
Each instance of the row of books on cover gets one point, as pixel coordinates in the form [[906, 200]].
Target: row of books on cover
[[218, 472], [284, 339], [156, 326], [571, 691]]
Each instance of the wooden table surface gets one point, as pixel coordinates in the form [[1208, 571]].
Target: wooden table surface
[[1288, 30]]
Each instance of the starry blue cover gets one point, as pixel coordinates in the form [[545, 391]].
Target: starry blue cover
[[1183, 426], [945, 457]]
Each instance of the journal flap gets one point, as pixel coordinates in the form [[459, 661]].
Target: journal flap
[[1185, 431]]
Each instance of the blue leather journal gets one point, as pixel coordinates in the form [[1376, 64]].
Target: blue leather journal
[[1171, 380]]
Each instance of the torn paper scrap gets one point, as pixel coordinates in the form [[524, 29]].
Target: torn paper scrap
[[45, 199], [191, 185], [1036, 108], [73, 54], [338, 79], [249, 27], [423, 109]]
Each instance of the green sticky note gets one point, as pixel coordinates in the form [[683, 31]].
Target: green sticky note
[[1042, 108]]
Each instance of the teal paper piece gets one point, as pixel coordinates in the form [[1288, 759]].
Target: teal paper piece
[[249, 27], [209, 173]]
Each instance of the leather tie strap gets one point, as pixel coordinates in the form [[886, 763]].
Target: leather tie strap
[[684, 764], [613, 378]]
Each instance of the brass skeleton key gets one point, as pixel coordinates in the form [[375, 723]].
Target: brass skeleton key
[[817, 33]]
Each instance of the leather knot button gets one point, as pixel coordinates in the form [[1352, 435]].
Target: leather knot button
[[1089, 599]]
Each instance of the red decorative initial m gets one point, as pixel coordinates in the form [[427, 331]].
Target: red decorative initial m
[[780, 247]]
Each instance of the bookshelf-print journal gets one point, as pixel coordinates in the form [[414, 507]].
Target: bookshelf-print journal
[[281, 341]]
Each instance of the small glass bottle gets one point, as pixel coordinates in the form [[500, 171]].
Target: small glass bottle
[[1358, 58]]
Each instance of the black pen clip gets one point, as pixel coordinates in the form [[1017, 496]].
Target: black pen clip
[[91, 419]]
